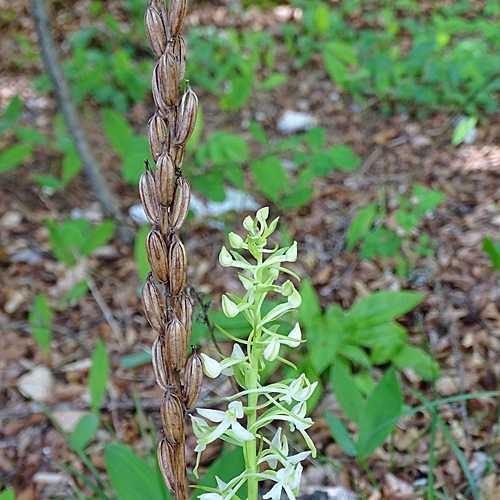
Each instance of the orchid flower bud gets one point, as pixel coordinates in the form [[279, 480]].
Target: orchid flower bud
[[229, 307], [211, 367]]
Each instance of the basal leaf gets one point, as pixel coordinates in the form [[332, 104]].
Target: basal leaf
[[98, 375], [84, 432], [361, 224], [346, 391], [340, 434]]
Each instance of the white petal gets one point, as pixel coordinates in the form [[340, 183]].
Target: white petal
[[274, 493], [241, 433], [200, 427], [295, 299], [220, 483], [299, 457], [237, 407], [294, 334], [272, 350], [210, 496], [237, 352], [216, 433], [210, 366], [213, 415]]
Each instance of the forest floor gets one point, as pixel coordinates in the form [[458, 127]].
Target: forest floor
[[460, 316]]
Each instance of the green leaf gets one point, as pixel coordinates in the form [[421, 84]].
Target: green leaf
[[97, 237], [67, 238], [141, 258], [118, 131], [135, 360], [270, 176], [7, 494], [380, 307], [343, 157], [493, 251], [273, 81], [30, 135], [361, 224], [356, 354], [297, 198], [462, 129], [14, 156], [40, 318], [258, 133], [131, 477], [316, 137], [84, 432], [78, 291], [380, 414], [412, 357], [321, 163], [336, 69], [98, 375], [309, 309], [11, 114], [224, 147], [71, 165], [49, 181], [340, 434], [346, 391]]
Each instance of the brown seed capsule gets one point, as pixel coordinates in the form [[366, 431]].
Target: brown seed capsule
[[157, 253], [177, 48], [180, 206], [177, 262], [153, 305], [149, 200], [183, 309], [176, 14], [166, 461], [159, 366], [158, 136], [165, 179], [167, 79], [162, 108], [177, 155], [172, 416], [175, 345], [187, 112], [193, 379], [155, 30]]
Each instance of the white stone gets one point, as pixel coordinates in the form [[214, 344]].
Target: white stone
[[294, 121]]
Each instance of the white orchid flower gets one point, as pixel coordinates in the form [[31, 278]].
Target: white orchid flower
[[297, 391], [201, 430], [287, 479], [237, 356], [272, 350], [226, 419], [280, 443], [211, 367], [221, 485]]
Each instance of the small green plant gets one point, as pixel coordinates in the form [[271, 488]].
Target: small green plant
[[279, 401], [407, 242], [493, 250], [224, 158], [362, 337]]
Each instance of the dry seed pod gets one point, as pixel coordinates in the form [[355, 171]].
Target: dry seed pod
[[177, 261], [176, 14], [177, 49], [159, 366], [155, 30], [172, 415], [162, 108], [153, 305], [157, 254], [180, 206], [183, 309], [149, 200], [158, 136], [166, 461], [193, 379], [177, 155], [175, 345], [165, 179], [187, 112], [167, 79]]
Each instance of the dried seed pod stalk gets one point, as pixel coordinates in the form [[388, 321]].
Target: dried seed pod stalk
[[165, 195]]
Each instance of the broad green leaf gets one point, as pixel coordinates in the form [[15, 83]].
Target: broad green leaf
[[140, 254], [67, 239], [361, 224], [380, 307], [131, 477], [380, 414], [224, 147], [11, 114], [71, 165], [49, 181], [84, 432], [412, 357], [340, 434], [97, 237], [78, 291], [98, 375], [335, 68], [7, 494], [316, 137], [309, 309], [297, 198], [356, 354], [270, 176], [118, 131], [273, 81], [462, 129], [344, 158], [258, 132], [30, 135], [14, 156], [40, 318], [493, 251], [323, 344], [343, 51], [321, 163], [347, 393], [135, 360]]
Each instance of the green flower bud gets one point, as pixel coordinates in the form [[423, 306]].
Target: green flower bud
[[229, 308], [295, 299], [225, 257], [287, 289], [291, 253], [236, 241]]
